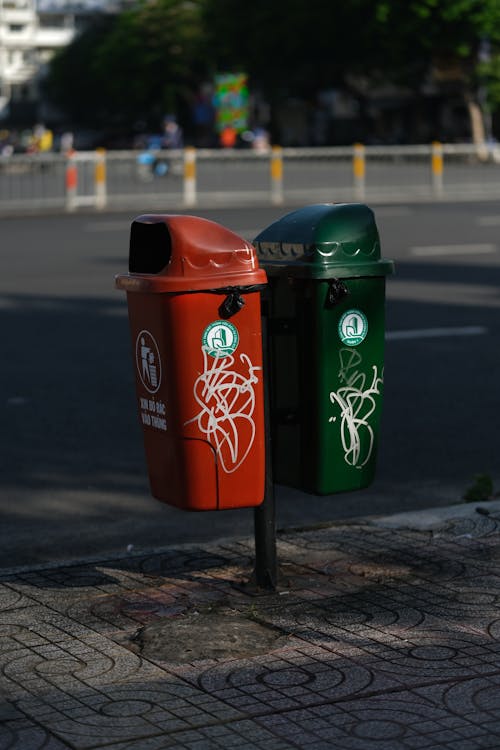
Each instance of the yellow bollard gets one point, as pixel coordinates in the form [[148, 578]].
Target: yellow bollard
[[359, 170], [277, 175], [71, 180], [189, 176], [437, 167], [100, 188]]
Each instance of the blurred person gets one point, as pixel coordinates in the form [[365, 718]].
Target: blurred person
[[45, 140], [261, 140], [152, 164], [203, 116], [67, 141], [172, 133], [6, 145], [228, 137], [41, 140]]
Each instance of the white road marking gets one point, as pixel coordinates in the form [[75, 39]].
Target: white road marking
[[488, 221], [423, 333], [424, 251], [391, 211], [107, 226]]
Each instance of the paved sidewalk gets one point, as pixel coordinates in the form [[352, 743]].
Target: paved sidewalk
[[385, 634]]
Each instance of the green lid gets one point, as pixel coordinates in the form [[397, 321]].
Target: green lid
[[323, 241]]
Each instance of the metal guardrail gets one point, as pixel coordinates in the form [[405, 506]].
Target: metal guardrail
[[205, 177]]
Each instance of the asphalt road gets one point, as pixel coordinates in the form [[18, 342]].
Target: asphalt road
[[73, 479]]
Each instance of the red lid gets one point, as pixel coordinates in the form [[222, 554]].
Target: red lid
[[176, 253]]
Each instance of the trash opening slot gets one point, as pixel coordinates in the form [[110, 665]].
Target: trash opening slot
[[150, 247]]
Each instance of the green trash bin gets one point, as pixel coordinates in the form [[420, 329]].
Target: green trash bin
[[326, 322]]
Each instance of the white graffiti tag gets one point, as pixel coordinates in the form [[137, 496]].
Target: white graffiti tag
[[227, 401], [357, 403]]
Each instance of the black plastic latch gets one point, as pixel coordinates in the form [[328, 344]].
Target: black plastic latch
[[337, 290], [231, 305]]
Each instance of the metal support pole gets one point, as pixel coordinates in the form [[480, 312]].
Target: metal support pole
[[266, 563]]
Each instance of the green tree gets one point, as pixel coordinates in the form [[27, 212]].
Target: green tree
[[72, 83], [134, 67], [147, 61], [302, 46], [288, 46], [458, 42]]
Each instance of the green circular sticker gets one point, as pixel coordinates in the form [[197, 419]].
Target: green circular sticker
[[353, 327], [220, 338]]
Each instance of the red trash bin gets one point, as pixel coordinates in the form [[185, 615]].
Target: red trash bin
[[193, 294]]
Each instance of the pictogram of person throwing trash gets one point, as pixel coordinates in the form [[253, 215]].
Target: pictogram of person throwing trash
[[148, 361]]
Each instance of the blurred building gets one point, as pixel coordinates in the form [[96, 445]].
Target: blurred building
[[31, 31]]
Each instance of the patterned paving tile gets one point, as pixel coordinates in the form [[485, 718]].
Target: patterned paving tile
[[22, 734], [393, 722], [392, 642]]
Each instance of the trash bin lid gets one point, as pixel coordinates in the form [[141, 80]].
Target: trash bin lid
[[322, 241], [177, 253]]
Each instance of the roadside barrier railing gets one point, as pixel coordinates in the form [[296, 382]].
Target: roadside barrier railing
[[190, 177]]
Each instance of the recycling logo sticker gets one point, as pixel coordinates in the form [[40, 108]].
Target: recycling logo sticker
[[220, 338], [353, 327]]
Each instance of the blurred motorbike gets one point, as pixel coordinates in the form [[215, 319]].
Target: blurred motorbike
[[151, 162]]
